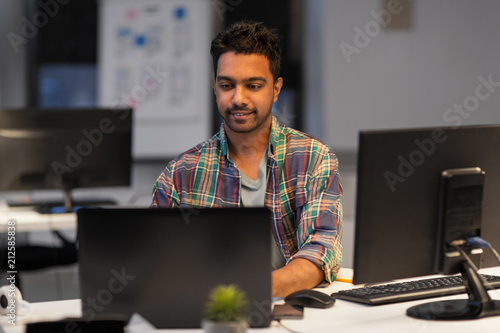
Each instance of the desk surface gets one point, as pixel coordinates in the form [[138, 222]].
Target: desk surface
[[31, 220], [342, 317]]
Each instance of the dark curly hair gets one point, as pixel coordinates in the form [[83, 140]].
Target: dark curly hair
[[248, 38]]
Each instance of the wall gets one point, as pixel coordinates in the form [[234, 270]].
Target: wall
[[423, 76], [361, 75]]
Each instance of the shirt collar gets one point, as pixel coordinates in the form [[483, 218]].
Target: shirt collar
[[274, 136]]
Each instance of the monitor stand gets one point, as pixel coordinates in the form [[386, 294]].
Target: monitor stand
[[68, 202], [478, 305]]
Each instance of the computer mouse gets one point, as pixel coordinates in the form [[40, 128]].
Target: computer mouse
[[310, 298]]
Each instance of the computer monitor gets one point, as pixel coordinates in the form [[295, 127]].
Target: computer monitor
[[401, 207], [65, 149]]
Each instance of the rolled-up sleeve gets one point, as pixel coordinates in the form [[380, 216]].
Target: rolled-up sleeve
[[319, 219]]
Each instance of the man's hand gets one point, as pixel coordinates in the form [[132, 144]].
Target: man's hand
[[298, 274]]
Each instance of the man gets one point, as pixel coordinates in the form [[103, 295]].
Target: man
[[254, 161]]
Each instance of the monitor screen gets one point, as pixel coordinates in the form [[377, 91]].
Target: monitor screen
[[64, 148], [397, 210]]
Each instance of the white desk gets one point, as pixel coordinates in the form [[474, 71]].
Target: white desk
[[342, 317], [30, 220]]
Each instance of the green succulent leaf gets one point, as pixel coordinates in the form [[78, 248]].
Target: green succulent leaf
[[226, 303]]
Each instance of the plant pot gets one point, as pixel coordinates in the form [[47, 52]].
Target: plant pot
[[209, 326]]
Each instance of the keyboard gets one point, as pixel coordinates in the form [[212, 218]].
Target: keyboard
[[411, 290]]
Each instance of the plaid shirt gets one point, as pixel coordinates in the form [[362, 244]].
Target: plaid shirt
[[303, 191]]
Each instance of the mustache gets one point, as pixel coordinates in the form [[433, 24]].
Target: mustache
[[240, 108]]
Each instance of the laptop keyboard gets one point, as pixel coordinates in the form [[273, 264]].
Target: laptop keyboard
[[411, 290]]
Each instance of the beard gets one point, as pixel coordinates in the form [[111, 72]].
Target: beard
[[248, 124]]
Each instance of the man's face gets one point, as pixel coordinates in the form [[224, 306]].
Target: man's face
[[245, 91]]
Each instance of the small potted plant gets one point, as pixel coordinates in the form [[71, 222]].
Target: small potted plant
[[225, 310]]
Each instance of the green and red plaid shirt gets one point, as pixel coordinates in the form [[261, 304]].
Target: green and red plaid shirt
[[303, 191]]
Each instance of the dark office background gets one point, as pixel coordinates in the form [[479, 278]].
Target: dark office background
[[62, 59]]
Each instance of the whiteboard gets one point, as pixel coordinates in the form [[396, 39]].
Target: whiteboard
[[154, 56]]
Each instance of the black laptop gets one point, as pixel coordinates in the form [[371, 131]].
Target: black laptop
[[162, 263]]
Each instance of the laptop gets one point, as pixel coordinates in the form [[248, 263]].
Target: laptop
[[162, 263]]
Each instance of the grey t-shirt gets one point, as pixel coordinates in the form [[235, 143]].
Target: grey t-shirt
[[253, 194]]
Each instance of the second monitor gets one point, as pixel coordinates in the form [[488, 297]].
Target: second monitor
[[65, 149], [398, 222]]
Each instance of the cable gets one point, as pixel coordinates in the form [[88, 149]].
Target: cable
[[479, 242], [11, 302], [474, 267], [285, 327], [492, 249], [57, 276]]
